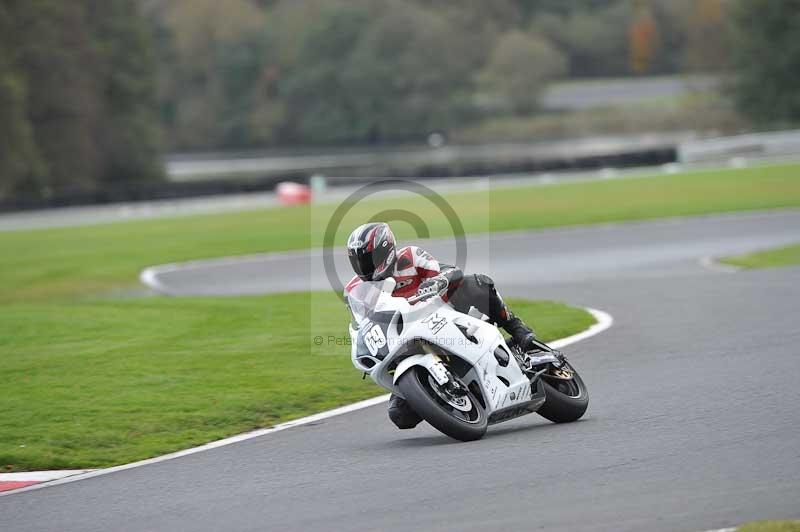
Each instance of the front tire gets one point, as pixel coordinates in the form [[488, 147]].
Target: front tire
[[419, 389], [566, 400]]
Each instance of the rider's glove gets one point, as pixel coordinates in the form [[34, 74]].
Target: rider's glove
[[432, 286]]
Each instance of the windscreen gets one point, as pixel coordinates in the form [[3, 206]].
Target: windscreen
[[372, 324], [362, 300]]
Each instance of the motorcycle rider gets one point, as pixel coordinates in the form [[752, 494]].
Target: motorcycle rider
[[374, 256]]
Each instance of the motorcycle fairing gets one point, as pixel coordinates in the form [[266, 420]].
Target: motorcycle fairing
[[425, 333]]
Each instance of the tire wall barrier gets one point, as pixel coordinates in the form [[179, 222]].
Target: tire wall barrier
[[221, 184]]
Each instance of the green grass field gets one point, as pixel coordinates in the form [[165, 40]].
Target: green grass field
[[773, 258], [94, 374]]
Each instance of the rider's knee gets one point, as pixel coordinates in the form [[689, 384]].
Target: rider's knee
[[403, 416]]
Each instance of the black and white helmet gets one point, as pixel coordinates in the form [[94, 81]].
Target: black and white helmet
[[371, 250]]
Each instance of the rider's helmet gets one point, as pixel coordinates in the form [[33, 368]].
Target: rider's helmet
[[371, 250]]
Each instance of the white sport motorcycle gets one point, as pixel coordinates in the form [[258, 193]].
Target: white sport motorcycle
[[456, 370]]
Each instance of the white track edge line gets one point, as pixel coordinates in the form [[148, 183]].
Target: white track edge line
[[710, 263], [41, 476], [149, 278], [604, 321], [211, 445]]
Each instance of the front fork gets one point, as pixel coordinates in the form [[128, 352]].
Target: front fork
[[436, 367], [445, 378]]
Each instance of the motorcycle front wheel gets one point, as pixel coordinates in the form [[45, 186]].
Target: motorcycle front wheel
[[460, 417]]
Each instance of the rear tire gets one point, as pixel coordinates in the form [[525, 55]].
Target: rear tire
[[566, 401], [417, 388]]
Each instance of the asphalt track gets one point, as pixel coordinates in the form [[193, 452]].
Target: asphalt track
[[623, 91], [693, 422]]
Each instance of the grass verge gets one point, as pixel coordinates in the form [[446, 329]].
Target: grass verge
[[770, 526], [773, 258], [97, 383]]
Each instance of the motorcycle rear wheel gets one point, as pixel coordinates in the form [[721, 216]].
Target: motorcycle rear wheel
[[566, 400], [463, 420]]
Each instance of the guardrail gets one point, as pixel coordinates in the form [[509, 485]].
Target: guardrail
[[214, 176], [424, 161], [195, 177]]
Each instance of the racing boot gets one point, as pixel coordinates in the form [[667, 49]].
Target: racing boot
[[401, 413], [521, 334]]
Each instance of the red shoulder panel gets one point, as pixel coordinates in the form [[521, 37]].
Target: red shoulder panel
[[355, 281], [405, 258]]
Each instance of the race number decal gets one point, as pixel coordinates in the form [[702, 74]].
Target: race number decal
[[375, 339]]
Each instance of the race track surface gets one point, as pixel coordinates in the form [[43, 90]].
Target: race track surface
[[693, 422]]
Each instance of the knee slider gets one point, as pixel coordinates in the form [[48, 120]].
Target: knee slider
[[404, 418]]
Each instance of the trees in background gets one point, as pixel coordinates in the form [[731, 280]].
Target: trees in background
[[20, 161], [766, 57], [253, 73], [249, 73], [87, 86], [123, 73], [319, 105], [212, 57], [78, 101], [375, 74], [707, 46], [520, 67], [82, 105], [644, 40], [312, 71], [594, 36]]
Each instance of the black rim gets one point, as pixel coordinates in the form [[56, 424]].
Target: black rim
[[436, 392], [568, 387]]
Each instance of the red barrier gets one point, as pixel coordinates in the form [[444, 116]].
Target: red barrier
[[290, 193]]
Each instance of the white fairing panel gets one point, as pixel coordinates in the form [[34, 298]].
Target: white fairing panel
[[389, 329]]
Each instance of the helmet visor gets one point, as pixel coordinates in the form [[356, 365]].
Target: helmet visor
[[362, 264]]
